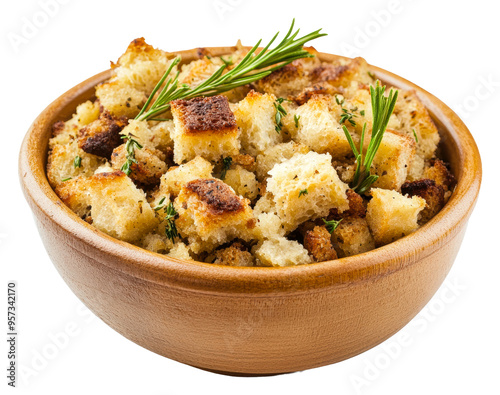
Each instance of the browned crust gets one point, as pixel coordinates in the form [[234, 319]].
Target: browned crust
[[218, 196], [439, 172], [428, 190], [234, 255], [318, 243], [357, 208], [58, 128], [102, 136], [205, 114]]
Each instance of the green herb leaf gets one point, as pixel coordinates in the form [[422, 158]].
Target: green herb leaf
[[303, 192], [161, 204], [296, 120], [66, 179], [130, 147], [226, 164], [415, 135], [170, 228], [331, 225], [77, 162], [280, 113]]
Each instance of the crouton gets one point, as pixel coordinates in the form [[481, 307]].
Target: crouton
[[197, 71], [243, 182], [438, 171], [356, 209], [180, 251], [256, 117], [244, 160], [173, 180], [156, 242], [320, 130], [352, 236], [204, 126], [393, 159], [234, 255], [281, 252], [210, 214], [428, 190], [101, 136], [147, 170], [306, 187], [318, 243], [150, 136], [277, 154], [74, 194], [391, 215], [69, 161]]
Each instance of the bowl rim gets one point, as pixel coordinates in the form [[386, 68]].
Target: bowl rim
[[206, 277]]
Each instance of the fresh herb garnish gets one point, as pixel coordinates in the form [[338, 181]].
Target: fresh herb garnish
[[303, 192], [130, 147], [331, 225], [415, 135], [66, 179], [77, 162], [338, 101], [372, 76], [170, 228], [251, 68], [161, 204], [228, 62], [362, 112], [348, 116], [226, 164], [296, 120], [280, 113], [382, 108]]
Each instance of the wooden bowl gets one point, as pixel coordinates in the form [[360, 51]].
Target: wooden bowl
[[251, 321]]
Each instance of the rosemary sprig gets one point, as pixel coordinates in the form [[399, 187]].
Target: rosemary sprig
[[226, 164], [161, 204], [331, 225], [415, 135], [170, 228], [382, 108], [130, 147], [252, 67], [280, 113]]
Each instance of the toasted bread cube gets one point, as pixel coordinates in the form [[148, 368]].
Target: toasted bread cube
[[431, 192], [119, 208], [306, 187], [342, 73], [318, 242], [197, 71], [204, 126], [210, 214], [393, 159], [102, 136], [156, 242], [281, 252], [149, 168], [243, 182], [61, 163], [180, 251], [320, 130], [234, 255], [352, 236], [256, 117], [391, 215], [438, 172], [75, 194], [151, 136], [277, 154], [176, 177]]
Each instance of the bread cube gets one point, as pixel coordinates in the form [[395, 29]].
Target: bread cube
[[306, 187], [180, 251], [149, 168], [120, 99], [210, 214], [197, 71], [256, 117], [391, 215], [173, 180], [320, 130], [438, 172], [234, 255], [75, 194], [281, 252], [277, 154], [393, 159], [431, 192], [318, 242], [151, 136], [156, 242], [204, 126], [243, 182], [352, 236]]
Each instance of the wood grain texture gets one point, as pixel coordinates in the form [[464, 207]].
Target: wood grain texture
[[251, 321]]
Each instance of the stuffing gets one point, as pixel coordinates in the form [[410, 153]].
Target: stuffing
[[277, 154], [205, 127], [356, 208], [173, 180], [234, 255], [155, 137], [74, 193], [438, 171], [102, 136], [197, 71], [156, 242], [243, 182], [391, 215], [428, 190], [318, 243], [281, 252], [180, 251], [210, 214], [352, 236], [147, 170], [256, 117], [244, 160], [306, 187]]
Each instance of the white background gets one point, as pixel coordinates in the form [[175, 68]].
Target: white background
[[449, 48]]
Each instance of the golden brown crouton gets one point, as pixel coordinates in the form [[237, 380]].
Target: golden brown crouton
[[204, 126], [432, 193], [352, 236], [149, 168], [74, 193], [281, 252], [234, 255], [244, 160], [438, 171], [102, 136], [318, 243], [210, 214], [356, 209], [243, 182], [277, 154]]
